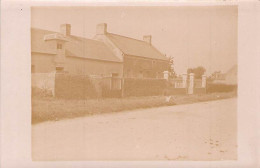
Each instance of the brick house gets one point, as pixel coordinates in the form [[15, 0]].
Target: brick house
[[105, 54]]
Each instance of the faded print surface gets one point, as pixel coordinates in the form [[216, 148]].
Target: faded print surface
[[134, 83]]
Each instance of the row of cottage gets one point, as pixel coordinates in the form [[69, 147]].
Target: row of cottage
[[106, 54]]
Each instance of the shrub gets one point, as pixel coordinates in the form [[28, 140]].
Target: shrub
[[76, 87]]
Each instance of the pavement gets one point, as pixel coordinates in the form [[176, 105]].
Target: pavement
[[200, 131]]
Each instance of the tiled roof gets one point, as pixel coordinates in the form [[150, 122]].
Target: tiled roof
[[92, 49], [134, 47], [76, 46]]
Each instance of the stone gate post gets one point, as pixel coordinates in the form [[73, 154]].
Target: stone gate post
[[203, 81], [166, 75], [184, 80], [191, 83]]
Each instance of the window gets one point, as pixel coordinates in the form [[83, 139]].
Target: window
[[59, 46]]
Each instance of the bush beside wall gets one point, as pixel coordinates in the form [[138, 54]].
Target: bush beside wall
[[77, 87]]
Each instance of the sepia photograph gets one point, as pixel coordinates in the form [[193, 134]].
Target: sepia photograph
[[129, 84], [134, 83]]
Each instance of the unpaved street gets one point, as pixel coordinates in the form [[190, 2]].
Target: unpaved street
[[200, 131]]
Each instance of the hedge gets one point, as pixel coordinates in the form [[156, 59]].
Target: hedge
[[212, 88], [77, 87]]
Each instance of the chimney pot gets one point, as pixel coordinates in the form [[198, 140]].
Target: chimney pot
[[101, 28], [65, 29], [147, 39]]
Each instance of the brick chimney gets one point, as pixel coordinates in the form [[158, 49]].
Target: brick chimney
[[101, 28], [65, 29], [147, 39]]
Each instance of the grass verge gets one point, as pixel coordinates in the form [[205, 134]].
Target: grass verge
[[51, 109]]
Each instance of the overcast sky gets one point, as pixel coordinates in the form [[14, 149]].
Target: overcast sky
[[194, 36]]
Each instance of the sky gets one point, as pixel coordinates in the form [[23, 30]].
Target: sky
[[194, 35]]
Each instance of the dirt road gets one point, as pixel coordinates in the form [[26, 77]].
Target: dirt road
[[201, 131]]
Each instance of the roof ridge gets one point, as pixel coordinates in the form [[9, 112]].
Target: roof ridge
[[43, 29], [70, 35], [127, 37], [78, 46], [83, 38]]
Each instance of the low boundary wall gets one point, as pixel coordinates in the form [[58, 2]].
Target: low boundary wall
[[68, 86]]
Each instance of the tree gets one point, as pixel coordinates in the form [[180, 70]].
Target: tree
[[198, 72]]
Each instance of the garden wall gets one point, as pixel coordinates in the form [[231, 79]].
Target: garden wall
[[177, 91], [70, 86], [199, 91], [144, 87]]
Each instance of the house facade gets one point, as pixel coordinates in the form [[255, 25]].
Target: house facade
[[105, 54]]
